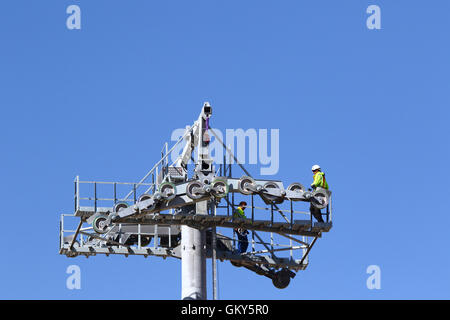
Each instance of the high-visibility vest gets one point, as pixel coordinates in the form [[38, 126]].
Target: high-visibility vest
[[319, 180], [239, 213]]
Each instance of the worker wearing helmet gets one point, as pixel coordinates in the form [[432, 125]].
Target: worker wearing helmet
[[241, 233], [319, 181], [319, 178]]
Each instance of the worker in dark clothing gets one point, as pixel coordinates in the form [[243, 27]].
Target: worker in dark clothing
[[241, 233], [319, 181]]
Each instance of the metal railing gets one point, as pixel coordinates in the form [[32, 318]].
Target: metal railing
[[137, 189], [271, 246], [85, 235]]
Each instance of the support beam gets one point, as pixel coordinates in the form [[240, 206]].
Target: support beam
[[214, 264], [193, 260]]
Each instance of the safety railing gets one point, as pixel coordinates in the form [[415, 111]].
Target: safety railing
[[270, 242], [86, 236], [111, 197]]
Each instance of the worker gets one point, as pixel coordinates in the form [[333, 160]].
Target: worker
[[319, 181], [241, 233]]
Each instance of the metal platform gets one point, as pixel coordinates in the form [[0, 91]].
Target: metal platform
[[89, 244], [154, 225], [168, 202], [297, 227]]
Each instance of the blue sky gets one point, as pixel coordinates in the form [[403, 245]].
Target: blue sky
[[371, 106]]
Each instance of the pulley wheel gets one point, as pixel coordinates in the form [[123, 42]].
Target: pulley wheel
[[242, 185], [319, 198], [281, 279], [100, 224], [120, 206], [220, 187], [296, 187], [271, 198], [144, 197], [194, 190], [168, 190]]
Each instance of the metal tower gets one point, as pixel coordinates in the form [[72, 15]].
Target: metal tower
[[179, 208]]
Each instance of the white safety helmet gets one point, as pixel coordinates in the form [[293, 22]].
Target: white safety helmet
[[315, 167]]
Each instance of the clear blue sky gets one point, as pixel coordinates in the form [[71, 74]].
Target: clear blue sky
[[371, 106]]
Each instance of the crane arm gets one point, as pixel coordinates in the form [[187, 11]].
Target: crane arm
[[195, 138]]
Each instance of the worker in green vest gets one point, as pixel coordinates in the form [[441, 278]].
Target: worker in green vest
[[319, 181], [241, 233]]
